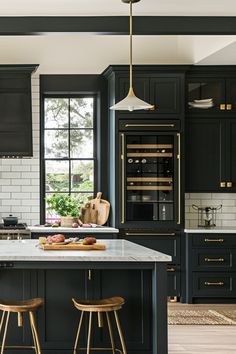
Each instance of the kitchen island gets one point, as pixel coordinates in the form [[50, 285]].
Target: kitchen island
[[124, 269]]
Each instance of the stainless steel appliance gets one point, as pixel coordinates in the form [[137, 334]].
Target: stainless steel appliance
[[14, 232], [207, 215]]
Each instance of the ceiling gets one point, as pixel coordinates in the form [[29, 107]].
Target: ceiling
[[76, 54], [116, 7]]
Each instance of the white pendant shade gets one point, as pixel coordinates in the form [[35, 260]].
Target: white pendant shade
[[131, 103]]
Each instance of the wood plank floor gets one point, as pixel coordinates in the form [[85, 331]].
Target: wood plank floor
[[202, 339]]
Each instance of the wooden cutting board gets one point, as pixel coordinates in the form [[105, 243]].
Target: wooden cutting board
[[96, 211], [73, 247]]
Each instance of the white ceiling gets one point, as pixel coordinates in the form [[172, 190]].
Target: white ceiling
[[75, 54], [116, 7]]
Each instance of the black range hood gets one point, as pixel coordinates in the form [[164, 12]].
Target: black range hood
[[16, 111]]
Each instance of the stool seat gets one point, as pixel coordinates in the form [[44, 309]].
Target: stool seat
[[21, 306], [103, 305]]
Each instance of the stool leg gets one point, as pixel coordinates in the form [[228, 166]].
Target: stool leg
[[33, 335], [32, 320], [120, 333], [2, 319], [78, 332], [110, 332], [5, 332], [89, 332]]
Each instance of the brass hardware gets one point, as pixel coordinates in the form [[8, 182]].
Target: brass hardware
[[214, 259], [179, 177], [149, 188], [149, 234], [222, 106], [89, 274], [219, 283], [150, 125], [122, 178], [229, 184], [150, 179], [214, 240], [228, 106], [150, 154], [173, 299], [222, 184], [170, 269], [149, 146]]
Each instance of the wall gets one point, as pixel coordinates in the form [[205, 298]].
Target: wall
[[225, 217], [19, 178]]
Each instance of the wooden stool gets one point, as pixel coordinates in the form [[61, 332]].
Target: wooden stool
[[19, 307], [112, 304]]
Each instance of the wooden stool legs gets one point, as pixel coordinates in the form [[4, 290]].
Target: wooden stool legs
[[89, 349], [36, 346]]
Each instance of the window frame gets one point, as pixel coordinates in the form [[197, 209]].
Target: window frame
[[42, 148]]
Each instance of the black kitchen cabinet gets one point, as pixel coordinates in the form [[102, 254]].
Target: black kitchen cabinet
[[15, 110], [162, 88], [210, 155], [165, 242], [210, 268]]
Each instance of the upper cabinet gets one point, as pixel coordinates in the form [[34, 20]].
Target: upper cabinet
[[164, 90], [16, 110]]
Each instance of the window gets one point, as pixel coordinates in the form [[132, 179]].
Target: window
[[68, 153]]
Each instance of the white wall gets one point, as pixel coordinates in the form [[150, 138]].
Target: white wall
[[19, 178]]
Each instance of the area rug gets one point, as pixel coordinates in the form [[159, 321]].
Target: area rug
[[201, 317]]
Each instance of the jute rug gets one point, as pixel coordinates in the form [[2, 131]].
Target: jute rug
[[202, 316]]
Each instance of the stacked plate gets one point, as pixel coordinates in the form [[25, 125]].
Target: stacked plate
[[203, 104]]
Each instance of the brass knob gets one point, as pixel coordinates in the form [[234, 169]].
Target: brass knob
[[222, 184], [228, 106], [229, 184], [222, 107]]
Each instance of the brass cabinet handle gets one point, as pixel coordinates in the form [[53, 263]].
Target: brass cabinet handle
[[149, 234], [222, 106], [170, 269], [150, 125], [122, 178], [214, 259], [89, 274], [222, 184], [179, 178], [219, 283], [228, 106], [214, 240], [229, 184]]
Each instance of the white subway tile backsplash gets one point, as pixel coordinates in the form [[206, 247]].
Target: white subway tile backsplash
[[225, 217]]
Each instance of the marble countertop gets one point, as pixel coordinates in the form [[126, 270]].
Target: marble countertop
[[102, 229], [117, 251], [215, 230]]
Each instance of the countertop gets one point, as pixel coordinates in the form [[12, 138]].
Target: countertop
[[215, 230], [117, 251], [102, 229]]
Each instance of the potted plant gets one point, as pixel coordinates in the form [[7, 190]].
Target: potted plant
[[66, 206]]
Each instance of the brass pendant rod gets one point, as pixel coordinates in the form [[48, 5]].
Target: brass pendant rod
[[131, 46]]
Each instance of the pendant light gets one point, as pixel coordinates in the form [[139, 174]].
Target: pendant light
[[131, 102]]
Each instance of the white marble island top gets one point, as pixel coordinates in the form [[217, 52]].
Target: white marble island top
[[117, 251], [102, 229]]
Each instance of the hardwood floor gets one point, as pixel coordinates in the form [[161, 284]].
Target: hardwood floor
[[202, 339]]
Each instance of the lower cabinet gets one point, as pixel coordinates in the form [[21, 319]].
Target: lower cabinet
[[211, 268], [166, 242]]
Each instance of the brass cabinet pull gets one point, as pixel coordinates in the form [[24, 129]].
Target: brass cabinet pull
[[219, 283], [229, 184], [222, 107], [214, 240], [122, 178], [149, 234], [89, 274], [170, 269], [222, 184], [228, 106], [214, 259], [179, 177], [150, 125]]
